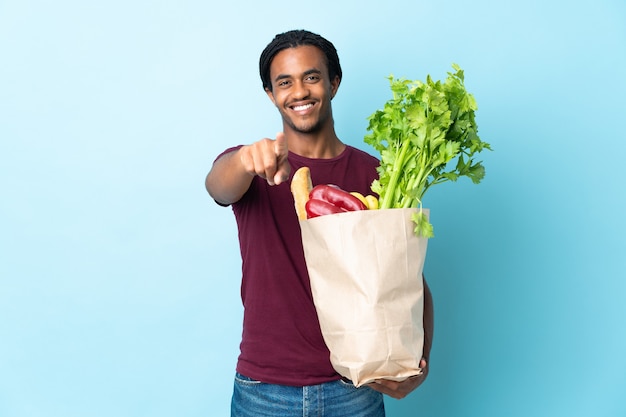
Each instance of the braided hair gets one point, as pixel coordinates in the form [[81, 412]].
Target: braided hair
[[292, 39]]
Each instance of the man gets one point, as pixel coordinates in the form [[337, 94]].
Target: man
[[284, 367]]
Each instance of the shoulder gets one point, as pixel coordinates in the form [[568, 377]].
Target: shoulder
[[361, 155], [227, 151]]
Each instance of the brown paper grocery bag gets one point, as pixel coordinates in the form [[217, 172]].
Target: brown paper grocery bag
[[366, 269]]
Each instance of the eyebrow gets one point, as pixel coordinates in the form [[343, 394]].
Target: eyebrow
[[307, 72]]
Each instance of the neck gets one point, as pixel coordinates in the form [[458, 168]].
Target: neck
[[321, 145]]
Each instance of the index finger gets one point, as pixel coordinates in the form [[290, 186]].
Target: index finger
[[282, 162], [280, 145]]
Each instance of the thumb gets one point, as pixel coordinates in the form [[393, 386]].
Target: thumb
[[282, 152]]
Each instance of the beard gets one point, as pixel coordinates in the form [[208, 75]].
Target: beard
[[310, 125], [304, 127]]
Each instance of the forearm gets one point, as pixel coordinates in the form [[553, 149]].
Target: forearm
[[228, 180]]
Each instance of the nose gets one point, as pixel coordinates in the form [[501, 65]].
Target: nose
[[300, 90]]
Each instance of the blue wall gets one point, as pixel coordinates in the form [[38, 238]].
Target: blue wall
[[119, 291]]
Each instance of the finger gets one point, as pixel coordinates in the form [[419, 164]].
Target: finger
[[280, 145], [263, 165], [382, 387], [393, 385], [264, 161], [259, 159], [246, 159], [282, 162]]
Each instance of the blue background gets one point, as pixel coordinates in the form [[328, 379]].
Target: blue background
[[119, 277]]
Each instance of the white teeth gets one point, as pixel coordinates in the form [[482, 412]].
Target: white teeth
[[300, 108]]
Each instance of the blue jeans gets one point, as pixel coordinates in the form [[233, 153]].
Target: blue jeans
[[333, 399]]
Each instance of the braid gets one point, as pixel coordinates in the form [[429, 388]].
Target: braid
[[294, 38]]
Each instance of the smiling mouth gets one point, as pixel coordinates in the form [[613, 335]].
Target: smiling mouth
[[302, 107]]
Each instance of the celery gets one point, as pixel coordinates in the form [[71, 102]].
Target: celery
[[426, 134]]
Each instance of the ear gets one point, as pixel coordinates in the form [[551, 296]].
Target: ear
[[334, 86], [270, 95]]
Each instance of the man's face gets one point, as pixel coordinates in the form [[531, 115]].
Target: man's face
[[302, 89]]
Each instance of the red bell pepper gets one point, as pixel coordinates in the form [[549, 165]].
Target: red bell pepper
[[336, 196], [316, 208]]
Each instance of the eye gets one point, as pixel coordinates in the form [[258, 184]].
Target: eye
[[312, 78], [282, 82]]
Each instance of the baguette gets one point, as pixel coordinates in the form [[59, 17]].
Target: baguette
[[301, 186]]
